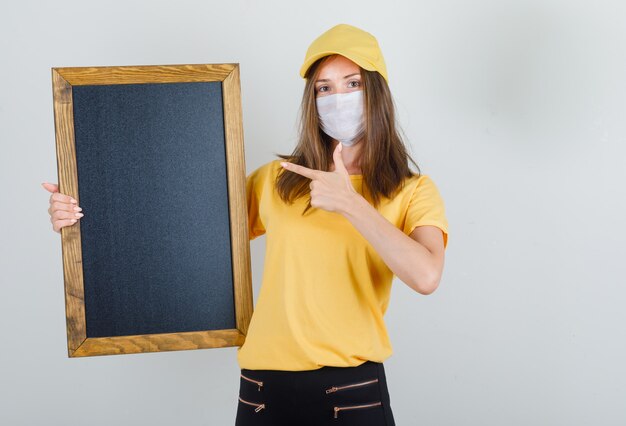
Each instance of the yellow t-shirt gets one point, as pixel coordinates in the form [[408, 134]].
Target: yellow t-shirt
[[325, 289]]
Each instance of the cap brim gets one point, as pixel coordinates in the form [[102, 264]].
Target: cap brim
[[357, 60]]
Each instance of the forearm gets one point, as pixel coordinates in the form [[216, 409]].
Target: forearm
[[406, 258]]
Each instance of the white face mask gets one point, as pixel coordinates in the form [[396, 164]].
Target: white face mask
[[341, 116]]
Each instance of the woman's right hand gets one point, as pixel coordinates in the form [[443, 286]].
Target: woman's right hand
[[63, 210]]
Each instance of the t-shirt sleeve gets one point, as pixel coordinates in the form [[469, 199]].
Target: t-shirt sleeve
[[426, 207], [254, 190]]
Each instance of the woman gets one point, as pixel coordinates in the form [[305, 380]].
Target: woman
[[342, 216]]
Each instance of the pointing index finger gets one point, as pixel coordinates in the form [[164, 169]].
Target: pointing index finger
[[301, 170]]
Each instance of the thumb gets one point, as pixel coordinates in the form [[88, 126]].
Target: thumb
[[50, 187], [338, 160]]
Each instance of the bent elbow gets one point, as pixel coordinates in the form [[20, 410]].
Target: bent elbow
[[427, 287]]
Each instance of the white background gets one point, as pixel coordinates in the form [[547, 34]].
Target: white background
[[515, 109]]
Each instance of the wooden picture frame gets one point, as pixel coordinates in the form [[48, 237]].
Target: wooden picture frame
[[67, 83]]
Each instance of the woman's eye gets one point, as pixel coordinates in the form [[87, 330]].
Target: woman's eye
[[322, 88], [356, 83]]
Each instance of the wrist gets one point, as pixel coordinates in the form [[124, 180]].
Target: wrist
[[352, 204]]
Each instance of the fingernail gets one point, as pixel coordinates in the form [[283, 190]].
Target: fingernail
[[79, 215], [73, 220], [76, 208], [73, 200]]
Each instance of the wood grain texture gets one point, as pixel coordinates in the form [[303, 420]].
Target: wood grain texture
[[240, 241], [159, 342], [70, 235], [137, 74], [62, 81]]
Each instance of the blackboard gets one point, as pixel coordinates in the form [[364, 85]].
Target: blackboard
[[154, 157]]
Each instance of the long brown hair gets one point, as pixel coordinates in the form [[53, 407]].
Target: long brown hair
[[384, 158]]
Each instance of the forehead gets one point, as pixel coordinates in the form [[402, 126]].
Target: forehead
[[337, 66]]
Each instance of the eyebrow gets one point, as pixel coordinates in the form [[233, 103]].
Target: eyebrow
[[326, 79]]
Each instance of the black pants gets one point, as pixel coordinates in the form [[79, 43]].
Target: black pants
[[327, 396]]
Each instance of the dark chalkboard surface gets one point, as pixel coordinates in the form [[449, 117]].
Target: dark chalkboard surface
[[160, 259], [153, 266]]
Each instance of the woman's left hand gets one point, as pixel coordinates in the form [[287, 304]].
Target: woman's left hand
[[332, 191]]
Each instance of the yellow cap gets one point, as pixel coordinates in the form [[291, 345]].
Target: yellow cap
[[355, 44]]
